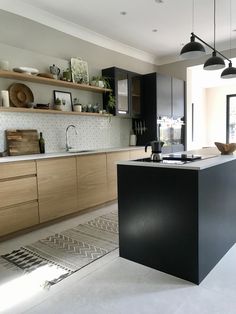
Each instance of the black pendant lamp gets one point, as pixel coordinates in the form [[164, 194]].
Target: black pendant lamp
[[193, 49], [229, 72], [214, 62]]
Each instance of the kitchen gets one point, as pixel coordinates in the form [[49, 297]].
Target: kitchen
[[43, 48]]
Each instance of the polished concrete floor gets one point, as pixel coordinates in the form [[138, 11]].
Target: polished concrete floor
[[113, 285]]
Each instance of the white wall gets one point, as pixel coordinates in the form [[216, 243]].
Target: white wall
[[216, 112], [196, 95], [27, 43]]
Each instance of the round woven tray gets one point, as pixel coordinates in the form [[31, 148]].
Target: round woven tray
[[20, 95]]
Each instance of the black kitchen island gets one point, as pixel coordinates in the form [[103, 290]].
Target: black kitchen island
[[177, 218]]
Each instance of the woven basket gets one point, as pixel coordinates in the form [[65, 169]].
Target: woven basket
[[20, 95]]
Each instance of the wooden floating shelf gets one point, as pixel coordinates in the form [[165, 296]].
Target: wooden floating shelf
[[48, 81], [50, 111]]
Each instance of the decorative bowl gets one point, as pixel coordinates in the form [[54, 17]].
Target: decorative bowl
[[226, 149]]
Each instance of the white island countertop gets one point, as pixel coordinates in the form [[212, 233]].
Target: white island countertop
[[67, 154], [210, 158]]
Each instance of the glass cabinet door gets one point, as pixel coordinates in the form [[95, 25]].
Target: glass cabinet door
[[231, 119], [136, 96], [122, 93]]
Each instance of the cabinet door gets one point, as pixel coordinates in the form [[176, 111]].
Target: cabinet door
[[57, 187], [112, 159], [17, 169], [135, 86], [177, 98], [122, 96], [18, 217], [92, 180], [164, 95]]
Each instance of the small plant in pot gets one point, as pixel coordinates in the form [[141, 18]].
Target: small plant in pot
[[98, 81], [58, 104], [76, 105], [111, 103]]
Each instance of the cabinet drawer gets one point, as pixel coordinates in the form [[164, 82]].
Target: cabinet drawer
[[16, 169], [17, 191], [18, 217]]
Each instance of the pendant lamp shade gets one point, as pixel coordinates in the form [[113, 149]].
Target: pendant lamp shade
[[229, 72], [214, 62], [192, 50]]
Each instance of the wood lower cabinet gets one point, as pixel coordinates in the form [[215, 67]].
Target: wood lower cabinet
[[18, 217], [57, 187], [112, 160], [92, 180], [18, 196]]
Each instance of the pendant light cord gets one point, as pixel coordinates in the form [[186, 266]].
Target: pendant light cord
[[214, 24], [230, 26], [193, 16]]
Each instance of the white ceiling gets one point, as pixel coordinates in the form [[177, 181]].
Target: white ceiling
[[101, 22]]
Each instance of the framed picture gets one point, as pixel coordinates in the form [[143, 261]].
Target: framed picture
[[79, 70], [65, 100], [231, 118]]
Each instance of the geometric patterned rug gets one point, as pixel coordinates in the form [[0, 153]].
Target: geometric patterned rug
[[68, 251]]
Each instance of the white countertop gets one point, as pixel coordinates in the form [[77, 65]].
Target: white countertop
[[208, 160], [65, 154]]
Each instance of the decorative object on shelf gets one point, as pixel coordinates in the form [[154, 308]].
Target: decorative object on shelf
[[20, 95], [66, 75], [55, 71], [5, 98], [64, 98], [98, 81], [46, 75], [226, 149], [42, 106], [4, 65], [79, 69], [26, 70], [76, 105]]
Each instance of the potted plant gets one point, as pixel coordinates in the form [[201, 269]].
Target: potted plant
[[111, 103], [58, 104], [76, 105], [66, 75], [98, 81]]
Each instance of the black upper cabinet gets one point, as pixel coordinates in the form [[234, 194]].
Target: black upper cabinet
[[170, 96], [126, 88], [178, 91], [164, 97]]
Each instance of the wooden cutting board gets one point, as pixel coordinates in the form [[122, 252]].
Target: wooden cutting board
[[22, 142]]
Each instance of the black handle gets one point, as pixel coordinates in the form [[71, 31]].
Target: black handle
[[146, 146]]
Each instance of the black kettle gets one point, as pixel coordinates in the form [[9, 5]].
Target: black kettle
[[156, 146]]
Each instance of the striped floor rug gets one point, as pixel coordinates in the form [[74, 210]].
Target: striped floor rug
[[67, 251]]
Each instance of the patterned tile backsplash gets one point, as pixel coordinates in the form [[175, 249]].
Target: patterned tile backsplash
[[93, 132]]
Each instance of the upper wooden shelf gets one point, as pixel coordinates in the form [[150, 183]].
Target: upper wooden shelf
[[50, 111], [47, 81]]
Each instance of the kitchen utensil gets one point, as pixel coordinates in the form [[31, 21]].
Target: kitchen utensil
[[22, 142], [156, 149], [20, 95]]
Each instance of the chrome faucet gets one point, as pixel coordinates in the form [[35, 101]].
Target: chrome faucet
[[68, 147]]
